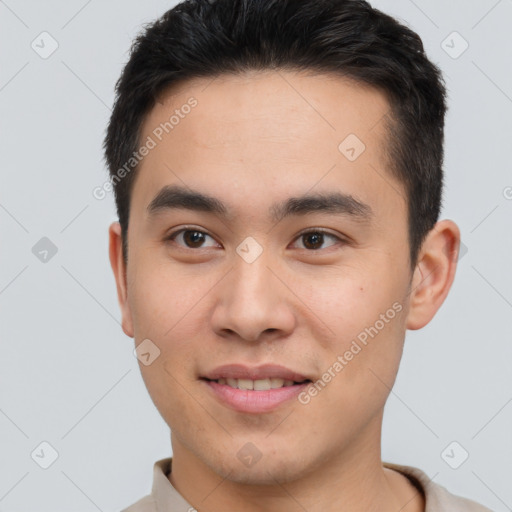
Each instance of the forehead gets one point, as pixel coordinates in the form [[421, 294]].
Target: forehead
[[265, 131], [276, 103]]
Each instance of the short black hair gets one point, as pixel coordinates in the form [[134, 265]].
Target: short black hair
[[207, 38]]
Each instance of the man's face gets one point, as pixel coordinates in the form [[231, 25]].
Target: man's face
[[251, 288]]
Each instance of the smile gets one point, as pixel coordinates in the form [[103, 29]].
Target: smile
[[257, 385]]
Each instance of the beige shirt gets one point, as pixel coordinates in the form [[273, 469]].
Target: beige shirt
[[165, 498]]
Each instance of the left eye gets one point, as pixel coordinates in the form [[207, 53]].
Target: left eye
[[315, 238]]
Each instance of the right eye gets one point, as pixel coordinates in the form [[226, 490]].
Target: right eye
[[191, 238]]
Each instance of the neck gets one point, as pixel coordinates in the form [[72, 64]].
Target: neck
[[352, 480]]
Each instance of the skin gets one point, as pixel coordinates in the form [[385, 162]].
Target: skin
[[252, 140]]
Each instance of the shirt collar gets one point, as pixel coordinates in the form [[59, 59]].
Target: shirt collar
[[168, 498], [165, 495]]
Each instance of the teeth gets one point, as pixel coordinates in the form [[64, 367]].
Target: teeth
[[276, 383], [257, 385], [263, 384], [245, 384]]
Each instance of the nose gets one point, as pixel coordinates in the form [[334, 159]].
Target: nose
[[253, 303]]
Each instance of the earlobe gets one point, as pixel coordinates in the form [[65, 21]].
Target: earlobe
[[119, 270], [434, 273]]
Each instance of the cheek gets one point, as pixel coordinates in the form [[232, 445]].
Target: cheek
[[346, 300], [170, 391], [165, 306], [370, 360], [162, 299], [362, 351], [358, 378]]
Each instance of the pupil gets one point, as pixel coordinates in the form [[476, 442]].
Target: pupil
[[197, 237], [317, 240]]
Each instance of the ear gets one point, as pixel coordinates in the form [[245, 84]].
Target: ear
[[119, 269], [434, 273]]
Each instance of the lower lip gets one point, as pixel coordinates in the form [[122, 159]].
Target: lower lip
[[246, 400]]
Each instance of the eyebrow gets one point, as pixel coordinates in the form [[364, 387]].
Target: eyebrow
[[177, 197]]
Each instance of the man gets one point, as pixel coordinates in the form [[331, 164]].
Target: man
[[277, 166]]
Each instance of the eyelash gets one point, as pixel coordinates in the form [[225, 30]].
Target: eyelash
[[322, 231]]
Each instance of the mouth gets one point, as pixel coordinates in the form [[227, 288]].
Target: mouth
[[254, 390], [258, 384]]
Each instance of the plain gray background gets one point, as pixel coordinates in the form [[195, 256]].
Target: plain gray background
[[68, 376]]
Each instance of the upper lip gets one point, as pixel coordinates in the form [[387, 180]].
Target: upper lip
[[266, 371]]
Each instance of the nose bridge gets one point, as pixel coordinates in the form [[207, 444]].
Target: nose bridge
[[252, 299], [252, 281]]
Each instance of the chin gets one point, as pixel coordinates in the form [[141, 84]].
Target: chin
[[266, 467], [264, 472]]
